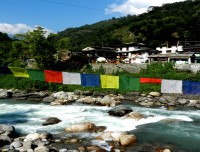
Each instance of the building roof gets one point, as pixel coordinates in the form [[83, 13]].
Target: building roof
[[171, 56]]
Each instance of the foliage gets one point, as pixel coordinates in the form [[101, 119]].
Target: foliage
[[37, 47], [174, 22]]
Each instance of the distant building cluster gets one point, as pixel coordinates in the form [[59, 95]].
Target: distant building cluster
[[180, 53]]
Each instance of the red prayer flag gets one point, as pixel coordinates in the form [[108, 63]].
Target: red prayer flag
[[53, 76], [150, 80]]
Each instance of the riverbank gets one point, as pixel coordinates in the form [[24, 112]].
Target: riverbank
[[87, 134]]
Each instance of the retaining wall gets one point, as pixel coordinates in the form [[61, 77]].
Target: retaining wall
[[135, 68]]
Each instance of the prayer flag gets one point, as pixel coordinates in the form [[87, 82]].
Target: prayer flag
[[19, 72], [110, 81], [150, 80], [171, 86], [90, 80], [53, 76], [71, 78], [191, 87], [36, 74], [5, 70], [128, 83]]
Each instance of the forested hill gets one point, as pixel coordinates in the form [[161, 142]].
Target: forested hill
[[179, 21]]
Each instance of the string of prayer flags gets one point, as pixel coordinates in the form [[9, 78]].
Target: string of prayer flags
[[53, 76], [19, 72], [108, 81], [91, 80], [71, 78], [36, 74]]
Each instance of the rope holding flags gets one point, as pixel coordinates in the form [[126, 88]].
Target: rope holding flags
[[104, 81]]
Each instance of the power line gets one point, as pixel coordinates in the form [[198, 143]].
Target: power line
[[70, 4]]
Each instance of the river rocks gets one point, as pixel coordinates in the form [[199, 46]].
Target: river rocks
[[80, 127], [31, 137], [89, 100], [6, 128], [120, 111], [48, 99], [41, 149], [110, 136], [107, 100], [4, 94], [182, 101], [155, 94], [51, 121], [122, 137], [134, 115], [59, 102], [60, 95], [6, 134], [127, 140], [95, 149], [5, 140]]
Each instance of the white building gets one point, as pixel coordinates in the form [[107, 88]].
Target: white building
[[169, 50], [133, 53]]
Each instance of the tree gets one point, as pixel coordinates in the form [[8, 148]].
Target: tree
[[39, 48]]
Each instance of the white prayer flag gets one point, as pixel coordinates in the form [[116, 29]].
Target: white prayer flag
[[71, 78], [171, 86]]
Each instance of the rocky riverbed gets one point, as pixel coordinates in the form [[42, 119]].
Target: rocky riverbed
[[95, 137]]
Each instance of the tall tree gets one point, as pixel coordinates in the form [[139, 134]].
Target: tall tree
[[39, 48]]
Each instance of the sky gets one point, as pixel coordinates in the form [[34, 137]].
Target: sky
[[20, 16]]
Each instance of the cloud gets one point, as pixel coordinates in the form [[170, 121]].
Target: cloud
[[13, 29], [135, 7]]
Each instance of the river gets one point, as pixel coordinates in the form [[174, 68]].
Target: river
[[179, 128]]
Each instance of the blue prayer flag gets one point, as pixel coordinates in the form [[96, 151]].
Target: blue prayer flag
[[90, 80], [5, 70], [191, 87]]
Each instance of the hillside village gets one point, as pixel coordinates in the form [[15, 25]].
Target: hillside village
[[139, 53]]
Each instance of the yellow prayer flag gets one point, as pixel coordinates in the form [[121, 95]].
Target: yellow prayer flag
[[110, 81], [19, 72]]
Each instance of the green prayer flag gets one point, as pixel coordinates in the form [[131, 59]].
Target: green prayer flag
[[127, 83], [36, 74]]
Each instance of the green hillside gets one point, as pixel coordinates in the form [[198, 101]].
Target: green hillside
[[172, 22]]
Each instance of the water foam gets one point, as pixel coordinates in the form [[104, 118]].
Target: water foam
[[34, 115]]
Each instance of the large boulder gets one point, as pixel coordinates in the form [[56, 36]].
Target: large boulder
[[107, 100], [110, 136], [182, 101], [155, 94], [4, 140], [32, 137], [5, 94], [60, 95], [16, 144], [120, 111], [127, 140], [134, 115], [89, 100], [51, 121], [81, 127], [6, 128]]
